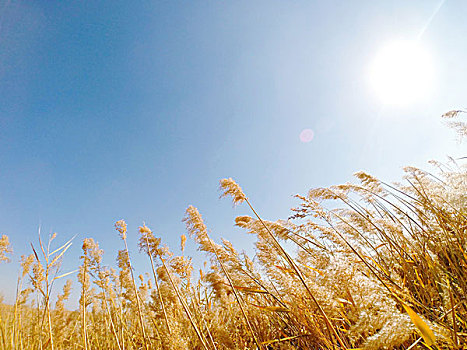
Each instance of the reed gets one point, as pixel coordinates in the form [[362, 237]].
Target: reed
[[363, 265]]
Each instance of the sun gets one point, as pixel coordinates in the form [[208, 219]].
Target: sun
[[402, 73]]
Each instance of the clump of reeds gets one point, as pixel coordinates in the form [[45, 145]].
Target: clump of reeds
[[366, 265]]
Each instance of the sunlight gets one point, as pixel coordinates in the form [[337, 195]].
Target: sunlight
[[401, 73]]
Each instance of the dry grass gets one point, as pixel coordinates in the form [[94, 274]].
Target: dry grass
[[385, 268]]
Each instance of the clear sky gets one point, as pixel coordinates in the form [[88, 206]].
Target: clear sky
[[136, 109]]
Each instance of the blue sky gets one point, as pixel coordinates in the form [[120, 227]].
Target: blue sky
[[135, 110]]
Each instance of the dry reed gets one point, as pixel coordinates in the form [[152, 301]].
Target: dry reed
[[366, 265]]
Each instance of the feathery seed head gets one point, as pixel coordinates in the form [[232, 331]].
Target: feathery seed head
[[123, 260], [182, 266], [369, 181], [452, 114], [38, 275], [194, 222], [67, 289], [120, 226], [26, 263], [144, 229], [92, 252], [231, 188], [86, 244], [182, 242], [148, 243], [5, 248], [23, 296], [243, 221]]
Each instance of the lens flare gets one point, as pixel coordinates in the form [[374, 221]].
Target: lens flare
[[307, 135]]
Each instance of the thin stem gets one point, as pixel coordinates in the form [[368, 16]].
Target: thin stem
[[137, 297], [157, 286], [83, 316]]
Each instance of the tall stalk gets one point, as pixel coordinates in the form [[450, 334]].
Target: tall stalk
[[185, 307], [157, 284], [143, 331]]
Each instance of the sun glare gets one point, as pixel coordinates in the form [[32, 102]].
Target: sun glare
[[401, 73]]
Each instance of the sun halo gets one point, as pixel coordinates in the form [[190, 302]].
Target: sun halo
[[401, 73]]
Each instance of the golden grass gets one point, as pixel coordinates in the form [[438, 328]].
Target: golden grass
[[385, 268]]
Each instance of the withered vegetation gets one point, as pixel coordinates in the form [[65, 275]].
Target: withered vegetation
[[367, 265]]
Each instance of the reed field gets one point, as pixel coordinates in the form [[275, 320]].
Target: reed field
[[362, 265]]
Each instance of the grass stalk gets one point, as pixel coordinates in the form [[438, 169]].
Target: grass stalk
[[140, 314], [185, 307], [157, 286]]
